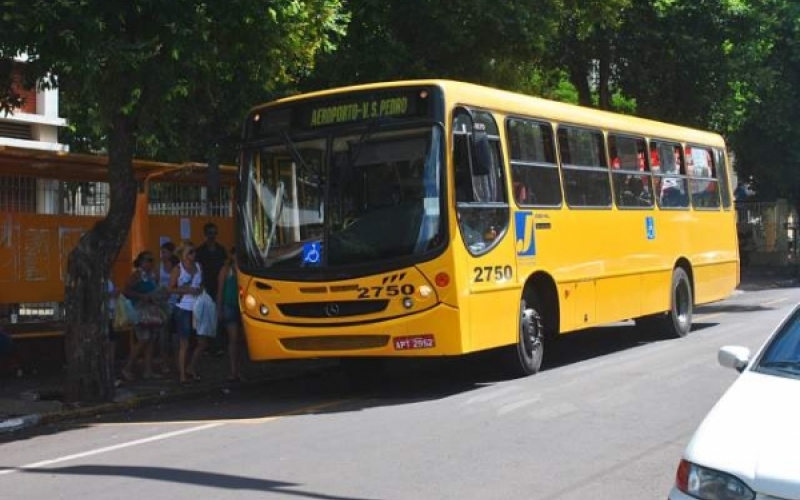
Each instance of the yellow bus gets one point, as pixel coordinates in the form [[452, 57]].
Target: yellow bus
[[439, 218]]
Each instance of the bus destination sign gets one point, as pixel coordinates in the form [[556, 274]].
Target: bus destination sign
[[340, 112]]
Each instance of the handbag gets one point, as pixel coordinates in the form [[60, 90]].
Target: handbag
[[125, 315], [205, 316], [151, 315]]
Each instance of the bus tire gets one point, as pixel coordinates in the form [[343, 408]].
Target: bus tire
[[525, 357], [677, 322]]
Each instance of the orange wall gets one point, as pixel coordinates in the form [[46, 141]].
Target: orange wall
[[34, 249]]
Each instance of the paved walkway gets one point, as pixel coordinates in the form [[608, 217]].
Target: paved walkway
[[33, 396]]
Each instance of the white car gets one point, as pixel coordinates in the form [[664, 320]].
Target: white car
[[748, 446]]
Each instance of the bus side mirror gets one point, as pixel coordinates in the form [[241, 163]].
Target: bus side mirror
[[483, 160]]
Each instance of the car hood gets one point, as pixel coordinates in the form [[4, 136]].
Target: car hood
[[753, 432]]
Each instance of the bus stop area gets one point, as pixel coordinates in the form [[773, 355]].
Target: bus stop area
[[34, 398], [48, 200]]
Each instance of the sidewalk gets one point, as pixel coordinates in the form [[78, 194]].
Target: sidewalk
[[34, 397], [761, 278]]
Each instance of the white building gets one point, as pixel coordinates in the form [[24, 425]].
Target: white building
[[35, 125]]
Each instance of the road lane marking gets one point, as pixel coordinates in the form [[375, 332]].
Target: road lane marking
[[773, 302], [249, 421], [703, 317], [167, 435], [98, 451], [508, 408]]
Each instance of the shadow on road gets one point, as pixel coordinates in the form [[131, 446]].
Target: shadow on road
[[189, 477]]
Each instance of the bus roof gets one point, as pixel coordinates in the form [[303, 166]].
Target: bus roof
[[513, 103]]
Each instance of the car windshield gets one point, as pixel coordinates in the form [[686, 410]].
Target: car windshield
[[782, 355], [343, 199]]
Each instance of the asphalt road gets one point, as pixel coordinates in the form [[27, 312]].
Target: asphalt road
[[607, 418]]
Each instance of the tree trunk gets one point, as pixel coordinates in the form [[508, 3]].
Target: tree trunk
[[579, 76], [604, 74], [89, 377]]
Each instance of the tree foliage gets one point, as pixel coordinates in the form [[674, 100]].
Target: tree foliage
[[152, 78], [483, 41]]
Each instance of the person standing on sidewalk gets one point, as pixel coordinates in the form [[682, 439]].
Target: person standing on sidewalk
[[186, 280], [228, 311], [142, 289], [167, 352], [212, 257]]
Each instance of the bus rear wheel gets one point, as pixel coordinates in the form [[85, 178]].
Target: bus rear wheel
[[677, 322], [525, 357]]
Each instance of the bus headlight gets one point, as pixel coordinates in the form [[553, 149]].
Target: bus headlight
[[264, 309], [250, 302]]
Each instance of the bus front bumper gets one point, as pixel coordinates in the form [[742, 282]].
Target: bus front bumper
[[434, 332]]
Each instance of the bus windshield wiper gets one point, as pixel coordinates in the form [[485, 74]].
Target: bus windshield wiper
[[296, 156]]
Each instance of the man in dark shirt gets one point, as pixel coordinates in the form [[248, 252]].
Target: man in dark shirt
[[212, 256]]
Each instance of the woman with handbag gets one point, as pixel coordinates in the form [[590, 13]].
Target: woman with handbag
[[142, 290], [186, 280]]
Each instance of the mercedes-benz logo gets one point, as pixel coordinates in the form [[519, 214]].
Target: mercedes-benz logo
[[331, 310]]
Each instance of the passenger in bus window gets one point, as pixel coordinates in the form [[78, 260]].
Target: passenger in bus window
[[520, 193]]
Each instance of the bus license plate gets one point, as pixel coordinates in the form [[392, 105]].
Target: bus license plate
[[415, 342]]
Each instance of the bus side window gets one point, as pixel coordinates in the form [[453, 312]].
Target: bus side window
[[722, 175], [630, 177], [462, 171], [704, 184], [585, 169], [673, 188], [534, 171]]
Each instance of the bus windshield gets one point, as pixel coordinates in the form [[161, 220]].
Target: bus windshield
[[342, 199]]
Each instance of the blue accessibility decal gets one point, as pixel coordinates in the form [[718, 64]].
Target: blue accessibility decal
[[312, 254], [650, 227]]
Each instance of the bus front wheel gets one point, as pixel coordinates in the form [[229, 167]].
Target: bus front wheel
[[525, 358]]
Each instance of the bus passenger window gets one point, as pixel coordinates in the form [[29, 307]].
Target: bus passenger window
[[722, 175], [704, 184], [534, 171], [670, 175], [463, 173], [631, 179], [583, 162]]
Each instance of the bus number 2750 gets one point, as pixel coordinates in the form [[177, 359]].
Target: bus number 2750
[[487, 274], [385, 291]]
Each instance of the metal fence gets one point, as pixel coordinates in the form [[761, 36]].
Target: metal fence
[[29, 195], [767, 232]]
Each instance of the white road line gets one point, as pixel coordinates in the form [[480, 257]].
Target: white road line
[[773, 302], [157, 437]]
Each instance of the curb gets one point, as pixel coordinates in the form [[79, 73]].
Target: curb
[[16, 424]]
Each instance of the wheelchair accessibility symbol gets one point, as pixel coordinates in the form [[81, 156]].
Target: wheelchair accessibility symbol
[[311, 254]]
